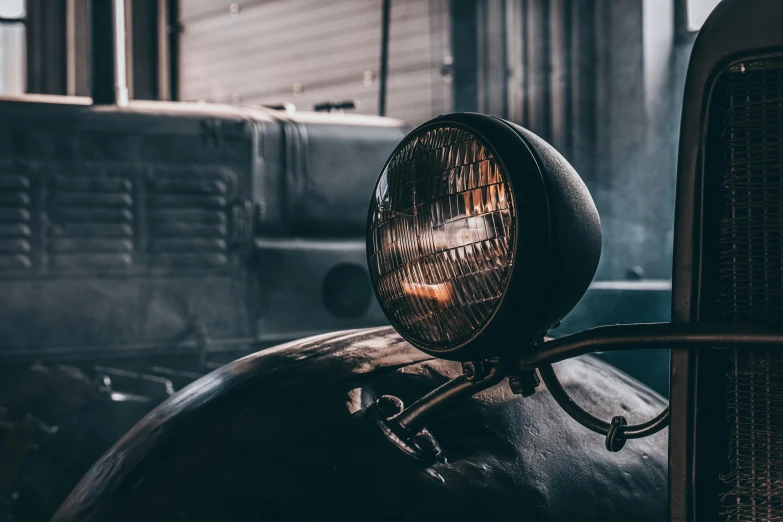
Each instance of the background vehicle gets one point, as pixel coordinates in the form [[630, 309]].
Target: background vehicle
[[143, 244], [151, 243]]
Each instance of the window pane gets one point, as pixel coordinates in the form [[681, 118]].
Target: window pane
[[13, 72], [12, 8], [698, 11]]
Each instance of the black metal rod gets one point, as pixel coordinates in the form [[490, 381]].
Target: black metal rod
[[174, 30], [591, 422], [383, 75], [652, 336], [415, 416]]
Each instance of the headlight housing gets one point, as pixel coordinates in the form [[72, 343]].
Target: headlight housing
[[480, 237]]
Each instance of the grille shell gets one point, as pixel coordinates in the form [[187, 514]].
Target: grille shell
[[751, 285]]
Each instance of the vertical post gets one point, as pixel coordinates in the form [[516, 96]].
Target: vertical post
[[174, 29], [120, 55], [78, 47], [145, 40], [46, 41], [70, 46], [464, 47], [108, 53], [102, 52], [384, 69], [164, 65], [504, 55]]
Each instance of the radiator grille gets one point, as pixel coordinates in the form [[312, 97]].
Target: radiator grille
[[751, 283]]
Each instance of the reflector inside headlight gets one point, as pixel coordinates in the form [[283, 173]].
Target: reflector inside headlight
[[441, 236]]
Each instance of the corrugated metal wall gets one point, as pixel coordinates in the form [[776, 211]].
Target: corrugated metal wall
[[312, 51], [595, 79], [550, 73]]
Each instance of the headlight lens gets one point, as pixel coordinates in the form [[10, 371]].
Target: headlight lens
[[441, 236]]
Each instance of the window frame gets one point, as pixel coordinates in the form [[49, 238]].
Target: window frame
[[20, 20]]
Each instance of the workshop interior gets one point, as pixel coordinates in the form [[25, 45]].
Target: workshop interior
[[391, 260]]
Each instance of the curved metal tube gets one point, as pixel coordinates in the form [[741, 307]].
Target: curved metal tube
[[592, 423], [415, 416], [653, 335]]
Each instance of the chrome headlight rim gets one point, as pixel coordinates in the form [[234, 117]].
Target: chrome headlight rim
[[528, 193]]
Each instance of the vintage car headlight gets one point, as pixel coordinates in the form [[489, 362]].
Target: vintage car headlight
[[480, 237]]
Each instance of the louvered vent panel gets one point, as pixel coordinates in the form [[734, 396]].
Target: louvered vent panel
[[15, 225], [90, 222], [188, 219]]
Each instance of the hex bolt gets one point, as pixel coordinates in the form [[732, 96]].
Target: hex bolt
[[474, 371], [524, 383]]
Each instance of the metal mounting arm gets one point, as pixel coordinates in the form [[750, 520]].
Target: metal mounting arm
[[617, 431], [635, 336], [654, 335], [406, 427]]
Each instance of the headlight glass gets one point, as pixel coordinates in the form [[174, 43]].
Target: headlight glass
[[441, 236]]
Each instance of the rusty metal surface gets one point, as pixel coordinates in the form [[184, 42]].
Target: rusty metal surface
[[282, 435]]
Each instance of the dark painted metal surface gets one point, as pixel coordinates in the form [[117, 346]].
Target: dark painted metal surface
[[284, 435], [734, 31]]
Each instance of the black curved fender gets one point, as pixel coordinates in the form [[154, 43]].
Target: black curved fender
[[283, 435]]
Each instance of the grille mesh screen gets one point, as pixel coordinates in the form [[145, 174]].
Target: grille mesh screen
[[751, 280]]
